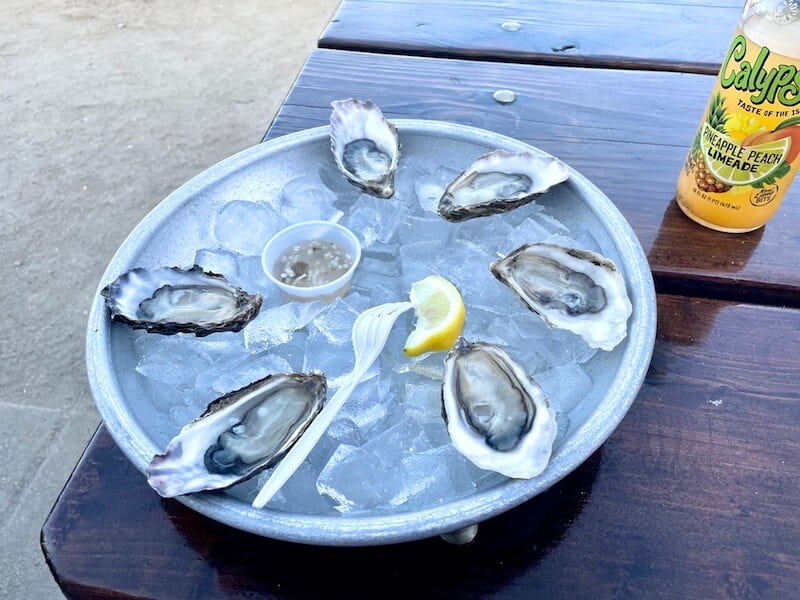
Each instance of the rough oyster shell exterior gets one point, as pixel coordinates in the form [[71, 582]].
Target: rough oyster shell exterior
[[497, 416], [364, 145], [569, 288], [126, 295], [239, 435], [498, 182]]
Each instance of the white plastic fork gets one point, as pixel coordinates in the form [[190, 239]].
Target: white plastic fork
[[370, 332]]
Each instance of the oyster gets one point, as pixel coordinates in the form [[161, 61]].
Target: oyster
[[497, 416], [170, 300], [238, 435], [498, 182], [571, 289], [364, 145]]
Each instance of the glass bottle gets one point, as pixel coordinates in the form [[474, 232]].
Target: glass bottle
[[747, 148]]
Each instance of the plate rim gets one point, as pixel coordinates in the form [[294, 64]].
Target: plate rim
[[381, 528]]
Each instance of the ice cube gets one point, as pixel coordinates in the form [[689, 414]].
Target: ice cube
[[429, 365], [506, 328], [415, 259], [382, 265], [527, 232], [334, 360], [328, 347], [222, 365], [358, 300], [428, 192], [437, 432], [251, 278], [307, 199], [479, 326], [368, 402], [276, 325], [249, 369], [181, 414], [294, 350], [379, 288], [422, 401], [429, 187], [485, 480], [336, 322], [172, 359], [297, 496], [344, 431], [374, 220], [246, 226], [427, 228], [333, 179], [346, 493], [405, 179], [486, 232], [547, 221], [558, 346], [526, 339], [364, 478], [565, 386], [466, 265], [217, 261], [432, 477], [188, 405], [587, 241]]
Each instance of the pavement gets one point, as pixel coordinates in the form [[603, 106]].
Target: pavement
[[106, 106]]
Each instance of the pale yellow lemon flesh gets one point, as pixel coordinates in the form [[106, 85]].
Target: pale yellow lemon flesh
[[440, 316]]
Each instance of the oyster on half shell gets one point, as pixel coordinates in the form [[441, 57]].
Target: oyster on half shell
[[364, 146], [497, 416], [170, 300], [498, 182], [572, 289], [239, 435]]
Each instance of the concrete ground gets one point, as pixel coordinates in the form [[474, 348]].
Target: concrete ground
[[105, 107]]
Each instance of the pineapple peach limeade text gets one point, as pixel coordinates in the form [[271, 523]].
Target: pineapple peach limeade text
[[747, 149]]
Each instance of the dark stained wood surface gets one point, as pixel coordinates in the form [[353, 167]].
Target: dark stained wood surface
[[627, 131], [675, 35], [695, 495]]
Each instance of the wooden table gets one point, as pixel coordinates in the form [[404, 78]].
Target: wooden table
[[695, 495], [667, 35]]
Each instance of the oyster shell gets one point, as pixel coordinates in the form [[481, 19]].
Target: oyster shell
[[239, 435], [572, 289], [364, 145], [170, 300], [498, 182], [497, 416]]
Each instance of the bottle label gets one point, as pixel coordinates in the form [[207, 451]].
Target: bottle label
[[747, 148]]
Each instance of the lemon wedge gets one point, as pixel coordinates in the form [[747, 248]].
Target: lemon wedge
[[440, 316]]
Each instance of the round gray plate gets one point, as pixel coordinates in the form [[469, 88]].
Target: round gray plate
[[170, 235]]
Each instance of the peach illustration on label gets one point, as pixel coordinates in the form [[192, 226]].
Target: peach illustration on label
[[792, 132]]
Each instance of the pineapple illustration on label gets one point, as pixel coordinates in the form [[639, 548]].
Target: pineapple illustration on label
[[746, 150], [716, 119]]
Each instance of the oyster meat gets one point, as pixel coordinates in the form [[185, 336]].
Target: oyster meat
[[572, 289], [498, 182], [170, 300], [364, 146], [239, 435], [497, 416]]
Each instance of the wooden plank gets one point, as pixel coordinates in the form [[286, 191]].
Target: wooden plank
[[675, 35], [695, 495], [627, 131]]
